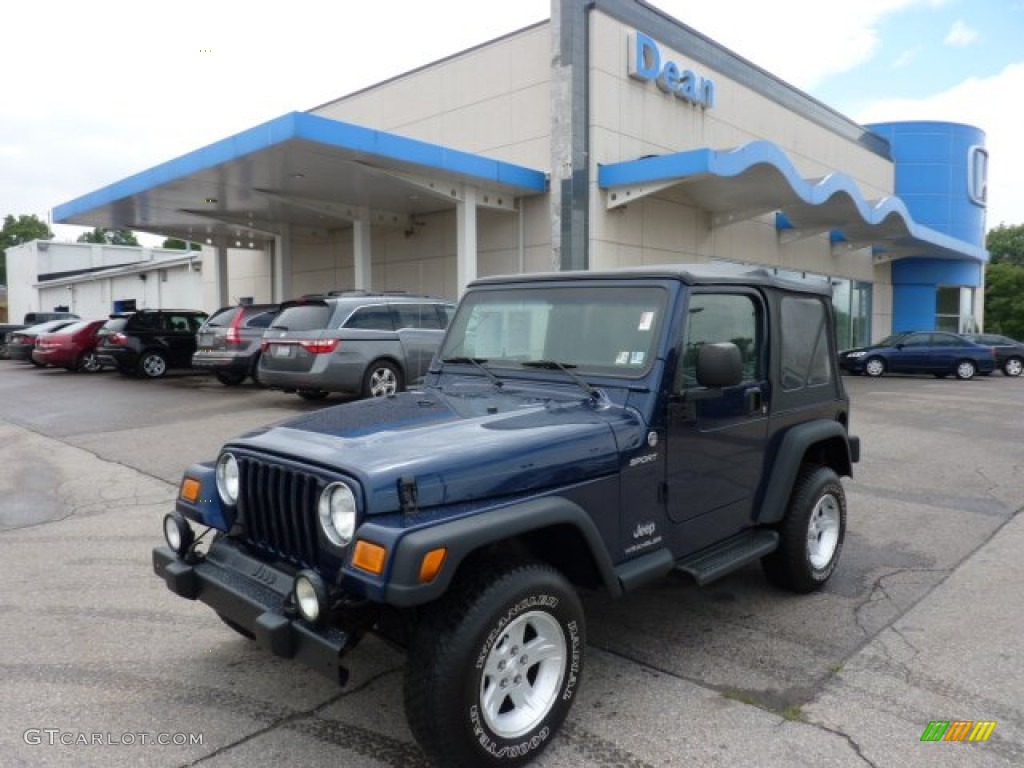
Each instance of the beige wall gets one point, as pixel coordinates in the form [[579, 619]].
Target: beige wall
[[496, 101], [631, 119], [493, 100]]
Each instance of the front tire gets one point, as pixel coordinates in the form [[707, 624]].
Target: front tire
[[494, 666], [152, 365], [1013, 366], [965, 370], [874, 367], [811, 533]]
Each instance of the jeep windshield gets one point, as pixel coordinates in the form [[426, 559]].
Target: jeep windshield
[[593, 329]]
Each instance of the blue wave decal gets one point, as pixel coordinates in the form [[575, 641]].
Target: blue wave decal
[[772, 182]]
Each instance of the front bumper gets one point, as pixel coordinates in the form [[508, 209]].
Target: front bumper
[[257, 597]]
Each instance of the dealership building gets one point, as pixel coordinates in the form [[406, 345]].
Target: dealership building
[[610, 135]]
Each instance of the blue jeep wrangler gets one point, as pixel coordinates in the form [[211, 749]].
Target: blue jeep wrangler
[[575, 431]]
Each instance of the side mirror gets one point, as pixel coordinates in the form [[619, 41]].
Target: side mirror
[[719, 365]]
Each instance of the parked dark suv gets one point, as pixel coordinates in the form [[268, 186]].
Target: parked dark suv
[[371, 344], [228, 343], [575, 431], [150, 341]]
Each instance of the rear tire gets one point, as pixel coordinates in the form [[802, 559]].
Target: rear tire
[[382, 379], [229, 379], [811, 533], [152, 365], [494, 666], [88, 362]]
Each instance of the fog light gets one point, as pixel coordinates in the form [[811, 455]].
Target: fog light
[[178, 533], [310, 597]]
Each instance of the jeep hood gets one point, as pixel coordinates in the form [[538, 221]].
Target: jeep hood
[[457, 448]]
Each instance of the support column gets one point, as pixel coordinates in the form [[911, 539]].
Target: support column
[[570, 158], [466, 245], [361, 250], [282, 260], [220, 272]]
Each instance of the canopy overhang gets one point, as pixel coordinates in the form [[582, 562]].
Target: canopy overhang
[[299, 170], [758, 178]]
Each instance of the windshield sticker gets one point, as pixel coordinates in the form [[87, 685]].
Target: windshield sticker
[[646, 321], [622, 358], [637, 358]]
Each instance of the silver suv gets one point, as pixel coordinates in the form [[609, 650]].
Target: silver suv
[[354, 342]]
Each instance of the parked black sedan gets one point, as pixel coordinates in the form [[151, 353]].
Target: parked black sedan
[[1009, 352], [940, 354]]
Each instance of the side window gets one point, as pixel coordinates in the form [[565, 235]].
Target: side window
[[261, 319], [804, 331], [377, 318], [715, 318], [145, 321], [918, 340], [445, 312], [416, 316], [177, 323]]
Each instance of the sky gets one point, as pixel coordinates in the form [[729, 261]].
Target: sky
[[96, 91]]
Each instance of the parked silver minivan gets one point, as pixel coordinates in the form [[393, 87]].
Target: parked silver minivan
[[355, 342]]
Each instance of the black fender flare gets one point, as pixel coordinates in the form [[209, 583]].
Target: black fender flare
[[790, 455], [465, 535]]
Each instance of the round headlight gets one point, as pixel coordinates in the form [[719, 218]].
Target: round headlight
[[227, 478], [310, 596], [178, 533], [337, 510]]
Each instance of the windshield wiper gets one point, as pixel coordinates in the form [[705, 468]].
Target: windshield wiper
[[479, 363], [554, 365]]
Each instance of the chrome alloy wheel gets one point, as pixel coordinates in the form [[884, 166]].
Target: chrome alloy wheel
[[823, 531], [522, 675], [383, 382]]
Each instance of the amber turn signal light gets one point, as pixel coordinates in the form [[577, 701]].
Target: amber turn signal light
[[369, 557], [190, 489], [431, 564]]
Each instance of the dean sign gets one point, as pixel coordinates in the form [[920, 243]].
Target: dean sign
[[645, 63]]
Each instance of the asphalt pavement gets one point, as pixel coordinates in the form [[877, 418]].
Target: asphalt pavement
[[922, 622]]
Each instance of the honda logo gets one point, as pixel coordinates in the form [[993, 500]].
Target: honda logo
[[977, 175]]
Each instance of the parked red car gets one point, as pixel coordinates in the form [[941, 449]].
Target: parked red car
[[72, 347]]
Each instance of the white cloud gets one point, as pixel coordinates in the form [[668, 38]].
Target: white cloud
[[987, 104], [775, 35], [906, 57], [961, 35]]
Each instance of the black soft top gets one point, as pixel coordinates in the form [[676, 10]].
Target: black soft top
[[690, 274]]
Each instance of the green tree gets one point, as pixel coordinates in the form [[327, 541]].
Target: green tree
[[1004, 299], [180, 245], [109, 237], [1006, 244], [17, 231]]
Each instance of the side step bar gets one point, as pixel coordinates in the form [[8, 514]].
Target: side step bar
[[717, 561]]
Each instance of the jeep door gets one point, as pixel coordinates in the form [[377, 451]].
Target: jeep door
[[715, 445]]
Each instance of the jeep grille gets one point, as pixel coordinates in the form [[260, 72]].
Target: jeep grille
[[277, 508]]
